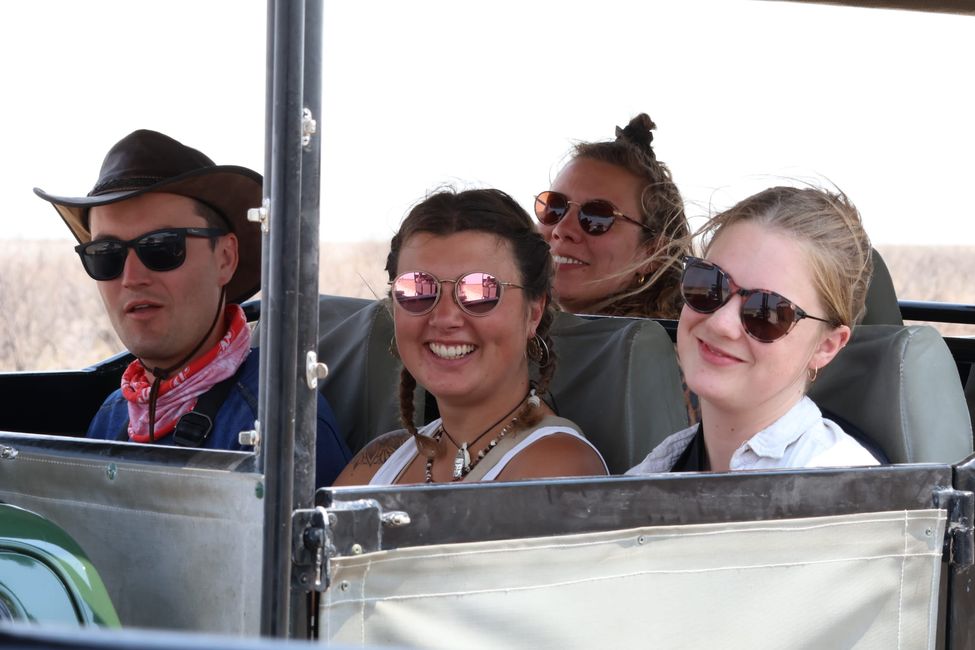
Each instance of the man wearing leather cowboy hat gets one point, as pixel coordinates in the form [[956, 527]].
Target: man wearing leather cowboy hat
[[165, 234]]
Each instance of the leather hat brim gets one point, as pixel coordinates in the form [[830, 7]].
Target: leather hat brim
[[228, 189]]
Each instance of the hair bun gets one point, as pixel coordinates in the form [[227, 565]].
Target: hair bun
[[639, 132]]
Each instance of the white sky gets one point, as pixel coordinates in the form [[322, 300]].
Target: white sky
[[745, 94]]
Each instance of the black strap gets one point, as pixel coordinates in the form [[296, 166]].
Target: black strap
[[193, 428]]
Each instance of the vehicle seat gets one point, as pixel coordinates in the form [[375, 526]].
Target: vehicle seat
[[881, 300], [362, 386], [617, 378], [900, 387]]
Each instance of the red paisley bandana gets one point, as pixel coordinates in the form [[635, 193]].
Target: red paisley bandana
[[178, 394]]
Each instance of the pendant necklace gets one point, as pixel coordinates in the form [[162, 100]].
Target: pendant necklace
[[462, 460]]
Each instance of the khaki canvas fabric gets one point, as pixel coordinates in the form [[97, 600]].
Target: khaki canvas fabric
[[856, 581]]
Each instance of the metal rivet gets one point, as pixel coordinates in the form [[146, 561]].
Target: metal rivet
[[344, 585], [303, 579], [928, 532], [642, 539], [111, 471], [396, 518], [356, 549]]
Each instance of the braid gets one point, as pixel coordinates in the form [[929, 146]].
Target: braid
[[530, 415], [407, 387]]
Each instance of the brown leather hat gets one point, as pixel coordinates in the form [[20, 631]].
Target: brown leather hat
[[148, 161]]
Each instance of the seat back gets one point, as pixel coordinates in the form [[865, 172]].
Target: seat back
[[617, 378], [882, 307], [362, 385], [899, 386]]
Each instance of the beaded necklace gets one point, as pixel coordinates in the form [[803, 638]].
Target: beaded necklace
[[462, 461]]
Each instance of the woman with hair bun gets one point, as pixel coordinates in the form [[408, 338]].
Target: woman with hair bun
[[470, 286], [773, 299], [615, 220]]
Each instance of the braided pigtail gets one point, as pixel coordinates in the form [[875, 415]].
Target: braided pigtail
[[541, 350], [407, 387]]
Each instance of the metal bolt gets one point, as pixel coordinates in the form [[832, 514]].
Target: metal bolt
[[303, 579], [396, 519], [314, 370], [251, 437], [928, 532], [261, 215], [356, 549], [344, 585], [308, 127], [111, 471], [642, 539]]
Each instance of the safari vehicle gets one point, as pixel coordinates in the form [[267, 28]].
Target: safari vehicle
[[240, 544]]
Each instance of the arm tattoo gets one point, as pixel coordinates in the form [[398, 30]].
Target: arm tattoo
[[379, 451]]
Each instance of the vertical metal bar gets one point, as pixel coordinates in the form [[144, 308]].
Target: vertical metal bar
[[308, 263], [265, 243], [306, 405], [280, 314]]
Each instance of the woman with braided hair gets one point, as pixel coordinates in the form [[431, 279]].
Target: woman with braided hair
[[470, 287], [615, 221]]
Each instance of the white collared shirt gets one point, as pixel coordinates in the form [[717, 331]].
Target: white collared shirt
[[800, 438]]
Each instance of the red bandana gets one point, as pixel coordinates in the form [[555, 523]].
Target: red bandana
[[177, 395]]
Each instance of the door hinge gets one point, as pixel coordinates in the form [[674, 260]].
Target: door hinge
[[959, 550]]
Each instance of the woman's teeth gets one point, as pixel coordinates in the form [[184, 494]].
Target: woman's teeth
[[450, 351], [566, 260]]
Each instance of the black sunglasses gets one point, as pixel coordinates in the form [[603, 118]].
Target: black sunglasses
[[596, 217], [159, 250], [766, 315], [477, 294]]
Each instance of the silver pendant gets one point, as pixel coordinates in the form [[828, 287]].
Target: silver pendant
[[462, 461]]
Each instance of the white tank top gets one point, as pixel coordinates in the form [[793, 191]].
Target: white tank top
[[404, 455]]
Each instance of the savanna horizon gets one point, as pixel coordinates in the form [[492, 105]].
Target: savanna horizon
[[52, 318]]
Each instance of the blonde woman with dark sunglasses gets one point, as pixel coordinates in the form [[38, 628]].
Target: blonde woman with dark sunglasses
[[470, 287], [773, 300]]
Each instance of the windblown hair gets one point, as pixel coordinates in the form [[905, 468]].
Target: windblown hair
[[493, 212], [828, 227], [661, 208]]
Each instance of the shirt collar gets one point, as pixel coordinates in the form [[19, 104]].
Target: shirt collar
[[772, 441]]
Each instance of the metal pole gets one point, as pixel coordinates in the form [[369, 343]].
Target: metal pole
[[280, 315], [307, 396]]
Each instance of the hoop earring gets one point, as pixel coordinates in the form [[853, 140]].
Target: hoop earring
[[815, 373], [538, 351]]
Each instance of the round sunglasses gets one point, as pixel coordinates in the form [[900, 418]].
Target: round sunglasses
[[766, 316], [596, 217], [477, 294], [159, 250]]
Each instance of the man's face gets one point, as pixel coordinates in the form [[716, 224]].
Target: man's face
[[161, 316]]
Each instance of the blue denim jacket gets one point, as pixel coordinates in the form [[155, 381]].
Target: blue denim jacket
[[238, 413]]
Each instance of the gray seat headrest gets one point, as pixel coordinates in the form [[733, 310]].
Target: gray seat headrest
[[617, 378], [882, 307], [900, 387]]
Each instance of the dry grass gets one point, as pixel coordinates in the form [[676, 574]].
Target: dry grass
[[51, 316]]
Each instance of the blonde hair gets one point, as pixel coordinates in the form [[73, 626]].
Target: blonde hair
[[828, 227]]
